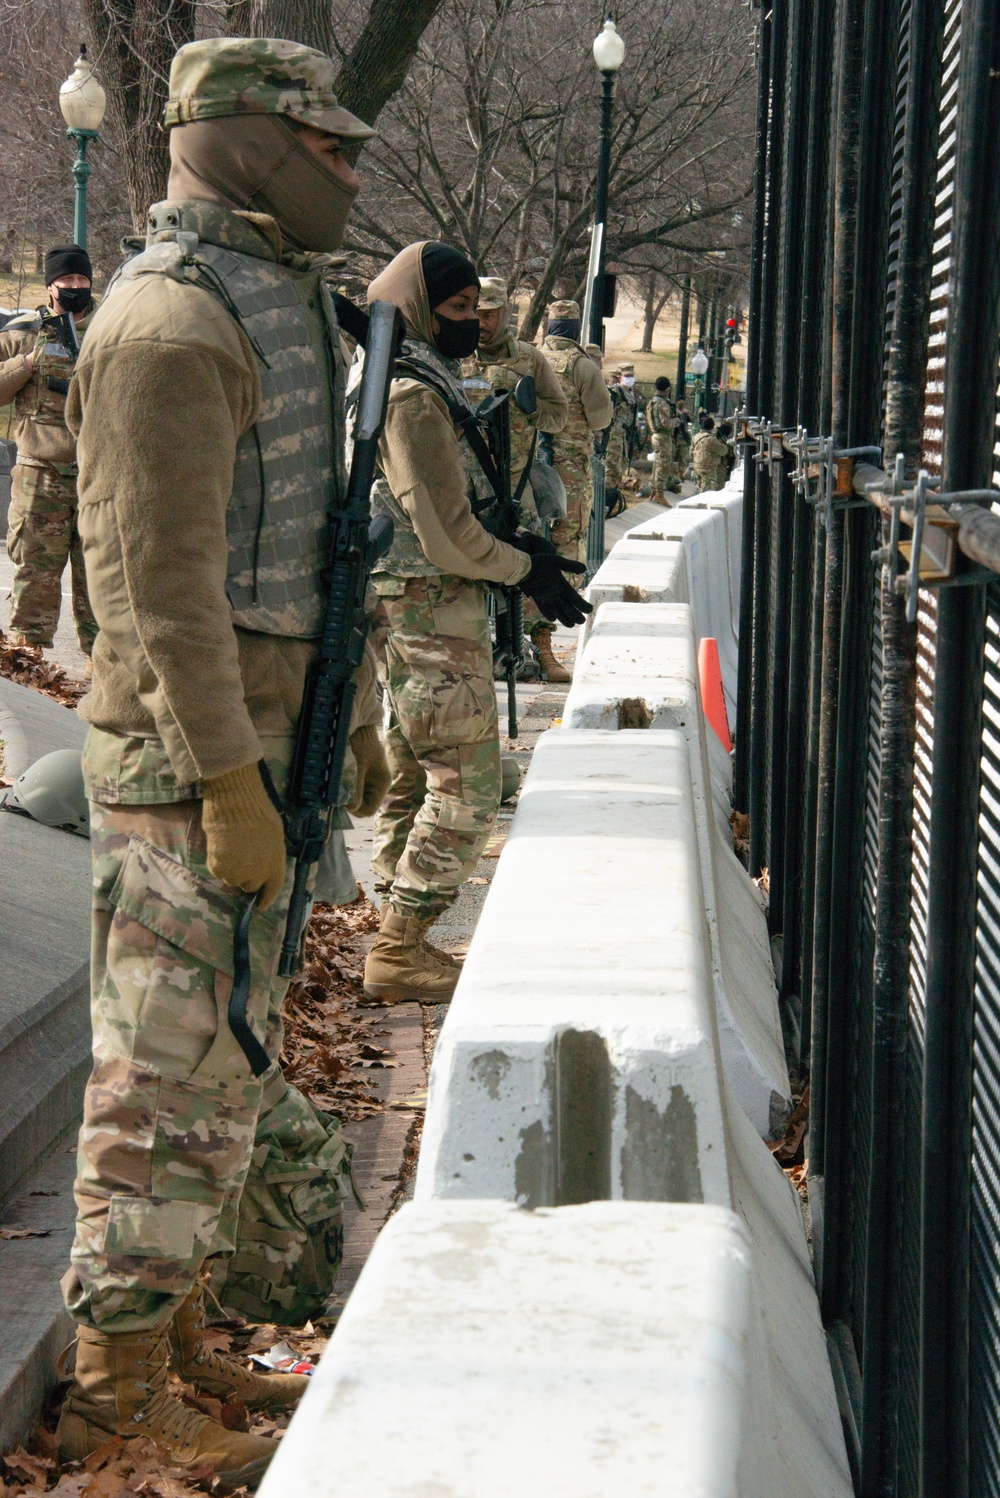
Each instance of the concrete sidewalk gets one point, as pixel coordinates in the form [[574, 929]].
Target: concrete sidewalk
[[44, 1059]]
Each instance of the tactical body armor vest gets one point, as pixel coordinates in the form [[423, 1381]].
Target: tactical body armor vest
[[405, 557], [564, 355], [288, 472]]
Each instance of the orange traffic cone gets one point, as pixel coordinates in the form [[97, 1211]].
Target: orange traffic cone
[[713, 699]]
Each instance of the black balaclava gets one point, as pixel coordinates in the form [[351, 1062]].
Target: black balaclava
[[446, 272], [564, 327]]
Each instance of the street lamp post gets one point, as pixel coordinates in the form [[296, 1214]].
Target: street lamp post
[[609, 54], [699, 367], [82, 101]]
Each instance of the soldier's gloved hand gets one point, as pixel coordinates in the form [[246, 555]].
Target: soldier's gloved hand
[[554, 596], [245, 834], [373, 771], [533, 545]]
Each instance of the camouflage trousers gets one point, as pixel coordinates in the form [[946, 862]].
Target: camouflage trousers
[[42, 536], [172, 1111], [664, 471], [569, 536], [441, 741], [706, 481], [614, 458]]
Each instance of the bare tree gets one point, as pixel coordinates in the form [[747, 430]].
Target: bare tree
[[135, 41], [491, 141]]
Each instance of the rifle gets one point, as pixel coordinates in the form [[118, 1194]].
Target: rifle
[[67, 328], [494, 413], [356, 543]]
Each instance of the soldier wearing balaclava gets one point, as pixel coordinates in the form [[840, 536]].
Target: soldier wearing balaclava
[[208, 406]]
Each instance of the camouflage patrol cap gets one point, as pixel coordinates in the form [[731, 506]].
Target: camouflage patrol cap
[[564, 311], [626, 368], [492, 293], [227, 75]]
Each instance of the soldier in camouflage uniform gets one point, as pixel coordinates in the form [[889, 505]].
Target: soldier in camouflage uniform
[[707, 452], [589, 414], [663, 426], [614, 449], [42, 535], [206, 469], [442, 737], [498, 363]]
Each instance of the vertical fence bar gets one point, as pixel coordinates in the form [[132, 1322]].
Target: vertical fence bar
[[745, 729], [763, 628], [967, 462]]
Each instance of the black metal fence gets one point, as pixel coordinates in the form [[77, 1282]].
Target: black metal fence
[[868, 752]]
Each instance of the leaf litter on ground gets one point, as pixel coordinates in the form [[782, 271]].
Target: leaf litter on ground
[[26, 665]]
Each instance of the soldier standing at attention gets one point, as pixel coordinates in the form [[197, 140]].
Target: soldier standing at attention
[[42, 529], [589, 414], [500, 361], [209, 415], [706, 453], [442, 738], [662, 425]]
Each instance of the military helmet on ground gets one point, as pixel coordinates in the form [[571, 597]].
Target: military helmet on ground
[[564, 311], [492, 293], [51, 791], [225, 75]]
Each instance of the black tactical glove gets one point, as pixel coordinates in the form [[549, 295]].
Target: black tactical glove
[[535, 546], [550, 590]]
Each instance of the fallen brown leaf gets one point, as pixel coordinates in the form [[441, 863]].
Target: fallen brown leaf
[[11, 1233]]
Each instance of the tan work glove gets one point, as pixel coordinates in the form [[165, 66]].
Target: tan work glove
[[245, 835], [373, 772]]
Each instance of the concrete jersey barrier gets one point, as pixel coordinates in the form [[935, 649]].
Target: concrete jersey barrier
[[603, 1350], [638, 668]]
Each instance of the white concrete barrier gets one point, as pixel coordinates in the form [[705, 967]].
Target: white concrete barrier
[[638, 668], [729, 502], [595, 1350], [579, 1057]]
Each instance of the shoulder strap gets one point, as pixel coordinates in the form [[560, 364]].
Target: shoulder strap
[[463, 417]]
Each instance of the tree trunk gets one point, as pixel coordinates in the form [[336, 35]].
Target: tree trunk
[[651, 312], [307, 21], [135, 41], [382, 55]]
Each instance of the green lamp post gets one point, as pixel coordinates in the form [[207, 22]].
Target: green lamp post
[[82, 101], [698, 365]]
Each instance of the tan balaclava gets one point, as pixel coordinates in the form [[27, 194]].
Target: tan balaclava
[[258, 163], [404, 283]]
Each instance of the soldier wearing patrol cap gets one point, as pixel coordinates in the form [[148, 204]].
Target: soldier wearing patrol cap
[[589, 414], [499, 362], [209, 415]]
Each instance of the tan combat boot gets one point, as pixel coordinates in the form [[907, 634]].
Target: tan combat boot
[[437, 955], [551, 668], [121, 1389], [402, 967], [218, 1374]]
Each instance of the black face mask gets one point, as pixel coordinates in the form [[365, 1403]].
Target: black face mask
[[458, 336], [75, 299]]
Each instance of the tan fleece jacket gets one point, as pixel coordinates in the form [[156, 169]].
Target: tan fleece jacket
[[589, 384], [38, 426], [166, 384], [421, 456]]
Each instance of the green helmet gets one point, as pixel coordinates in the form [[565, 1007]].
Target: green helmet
[[51, 791], [510, 777]]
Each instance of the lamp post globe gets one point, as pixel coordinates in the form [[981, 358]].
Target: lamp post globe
[[82, 101], [609, 49], [698, 367]]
